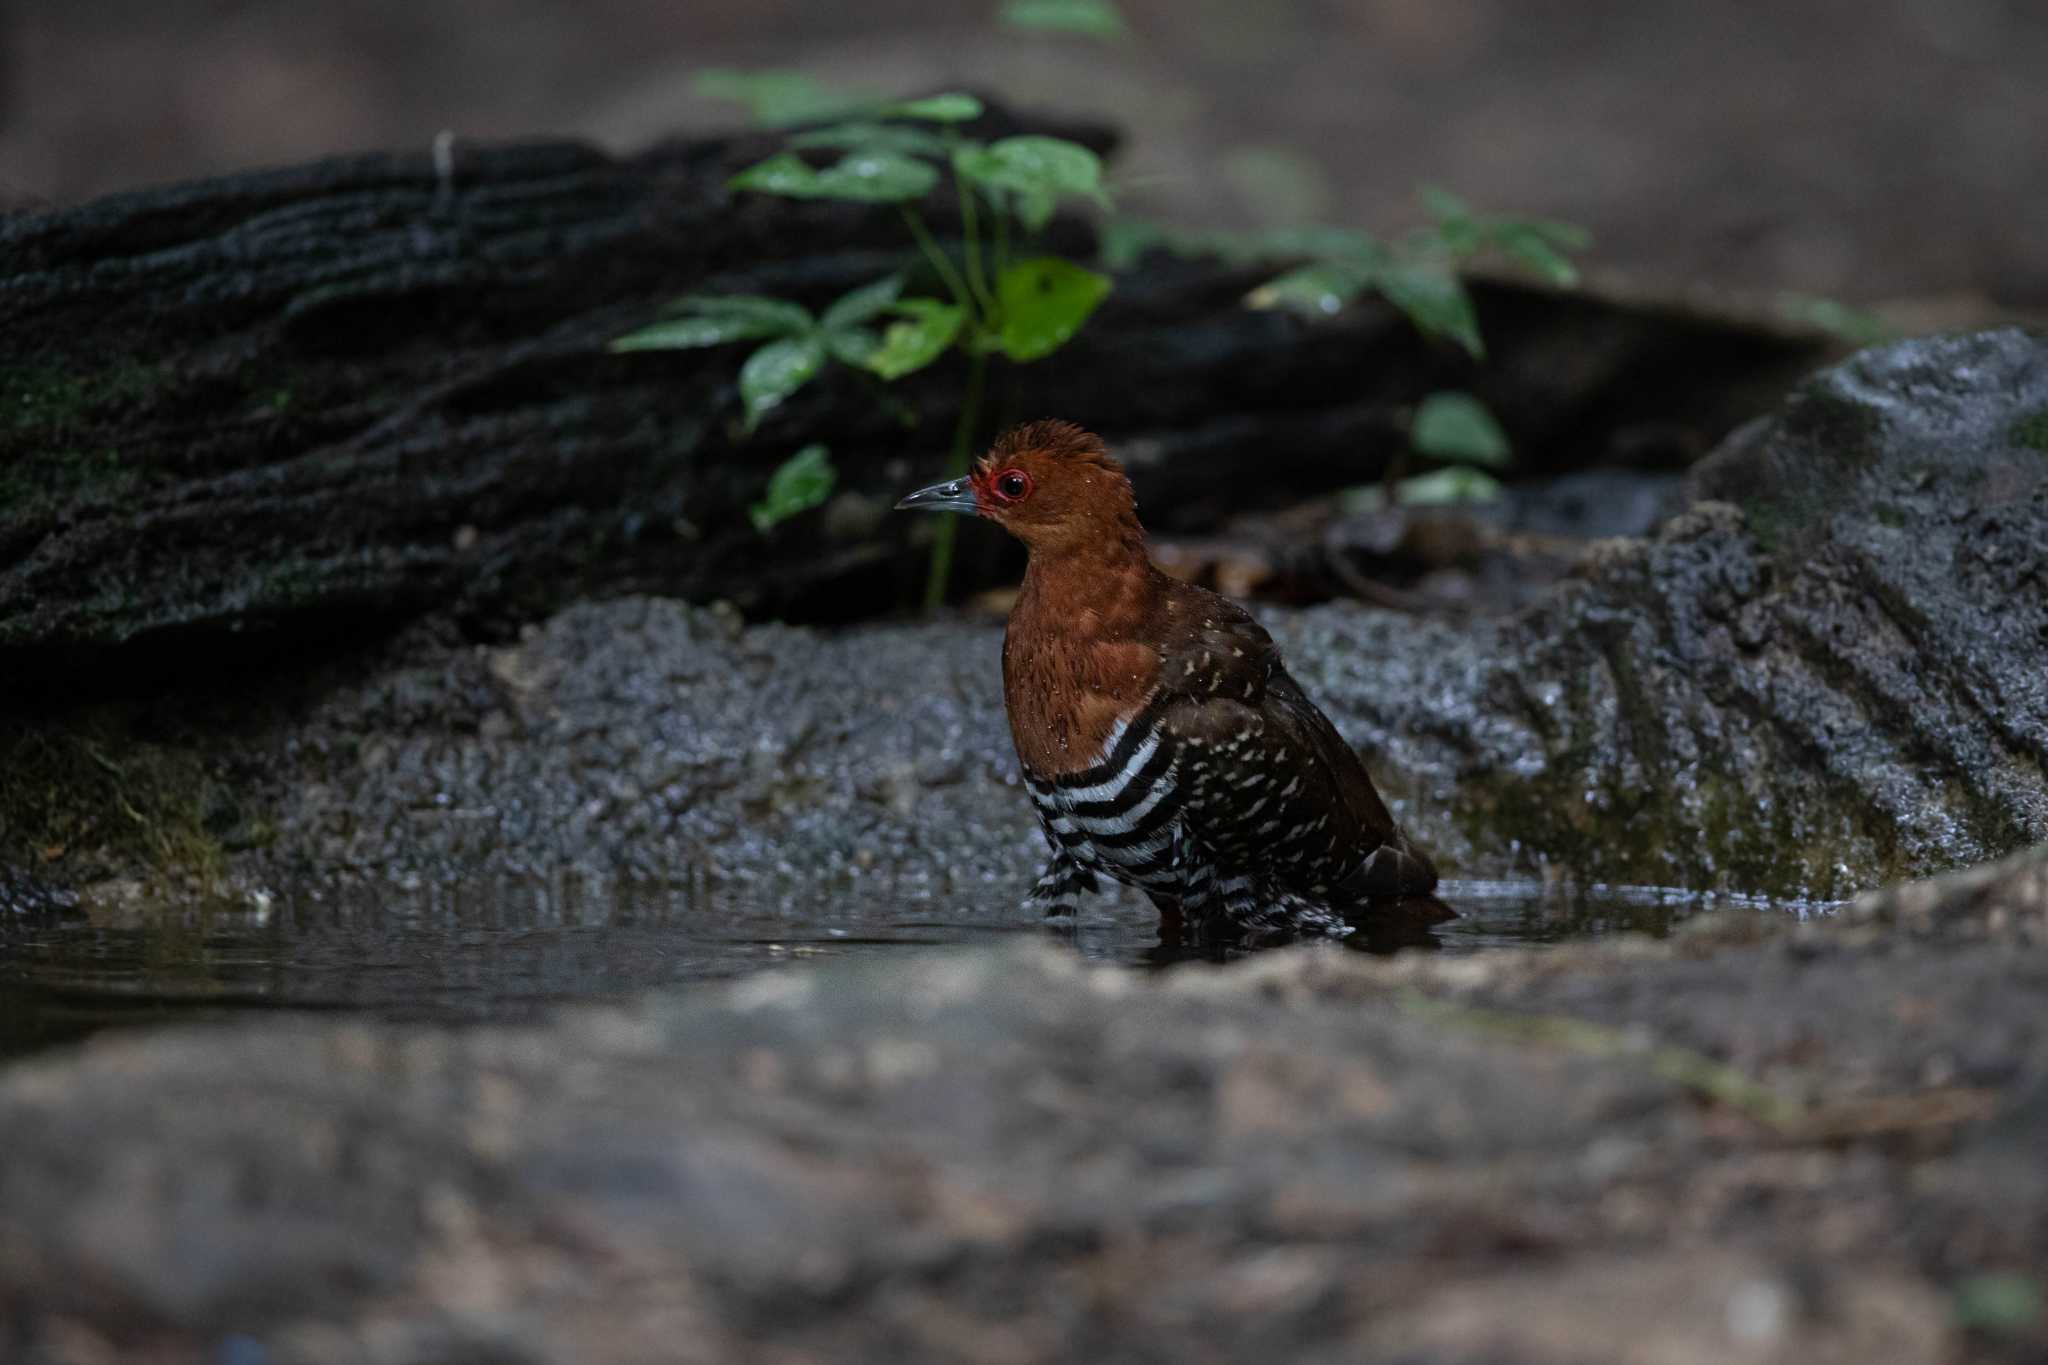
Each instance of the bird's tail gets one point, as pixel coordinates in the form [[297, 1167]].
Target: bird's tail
[[1396, 868]]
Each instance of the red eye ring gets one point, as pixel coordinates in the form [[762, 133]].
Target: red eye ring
[[1011, 485]]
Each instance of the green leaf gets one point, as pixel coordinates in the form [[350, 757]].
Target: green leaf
[[864, 304], [1563, 236], [953, 107], [773, 315], [776, 371], [1447, 486], [1042, 168], [1317, 290], [1089, 18], [685, 334], [1535, 253], [864, 177], [1442, 489], [1034, 208], [853, 346], [1435, 301], [784, 173], [1457, 426], [775, 97], [713, 320], [873, 137], [1126, 239], [1834, 317], [1043, 302], [800, 483], [927, 328]]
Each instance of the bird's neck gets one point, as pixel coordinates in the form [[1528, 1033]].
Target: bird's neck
[[1102, 587], [1077, 657]]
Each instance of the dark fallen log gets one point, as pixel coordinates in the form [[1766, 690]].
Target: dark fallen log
[[260, 409]]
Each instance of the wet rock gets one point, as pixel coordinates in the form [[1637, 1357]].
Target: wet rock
[[1002, 1156], [1830, 673], [1840, 684], [22, 895], [648, 738]]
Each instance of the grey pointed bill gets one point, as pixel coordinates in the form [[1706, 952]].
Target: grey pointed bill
[[954, 495]]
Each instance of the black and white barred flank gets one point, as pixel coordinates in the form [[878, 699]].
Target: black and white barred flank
[[1227, 798]]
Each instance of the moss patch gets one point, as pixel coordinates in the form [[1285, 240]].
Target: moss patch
[[2031, 430], [86, 798], [1844, 427], [51, 401], [52, 442]]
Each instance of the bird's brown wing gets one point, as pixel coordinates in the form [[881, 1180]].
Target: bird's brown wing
[[1266, 782]]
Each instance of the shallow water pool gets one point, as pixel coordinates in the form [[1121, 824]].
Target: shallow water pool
[[506, 949]]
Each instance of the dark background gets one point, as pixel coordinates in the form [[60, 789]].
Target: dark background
[[1875, 151]]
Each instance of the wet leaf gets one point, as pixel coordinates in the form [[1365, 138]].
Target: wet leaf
[[776, 371], [1037, 169], [863, 177], [783, 173], [800, 483], [863, 304], [925, 330], [1318, 290], [1043, 302], [684, 334], [1088, 18], [713, 320], [1457, 426]]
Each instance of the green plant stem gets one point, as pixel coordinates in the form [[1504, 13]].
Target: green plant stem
[[1002, 216], [943, 264], [963, 450], [970, 245]]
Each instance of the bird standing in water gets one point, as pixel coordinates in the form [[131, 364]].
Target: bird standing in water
[[1163, 742]]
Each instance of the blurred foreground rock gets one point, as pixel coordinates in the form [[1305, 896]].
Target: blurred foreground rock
[[1754, 1143]]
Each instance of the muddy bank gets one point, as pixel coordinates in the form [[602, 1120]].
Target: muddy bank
[[1826, 675], [1753, 1143]]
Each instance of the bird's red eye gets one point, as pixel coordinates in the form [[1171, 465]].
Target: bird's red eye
[[1012, 485]]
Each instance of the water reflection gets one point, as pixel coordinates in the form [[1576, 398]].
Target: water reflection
[[504, 950]]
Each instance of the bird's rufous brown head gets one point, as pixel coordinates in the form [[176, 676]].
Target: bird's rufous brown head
[[1051, 484]]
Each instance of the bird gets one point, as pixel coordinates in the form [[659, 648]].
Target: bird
[[1162, 740]]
